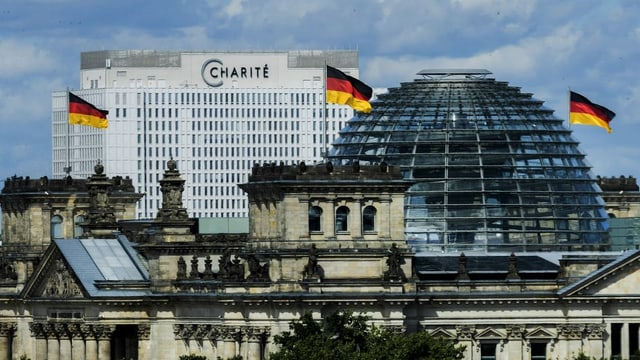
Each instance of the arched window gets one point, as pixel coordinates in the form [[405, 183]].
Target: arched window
[[77, 227], [315, 217], [342, 219], [369, 219], [56, 227]]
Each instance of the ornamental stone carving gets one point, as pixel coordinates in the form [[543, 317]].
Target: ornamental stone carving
[[594, 331], [172, 186], [7, 329], [144, 331], [395, 260], [515, 331], [465, 332], [571, 331], [60, 282]]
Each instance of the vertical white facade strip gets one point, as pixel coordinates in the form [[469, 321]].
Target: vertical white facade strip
[[215, 113]]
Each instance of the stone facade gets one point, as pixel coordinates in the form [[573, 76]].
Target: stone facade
[[322, 239]]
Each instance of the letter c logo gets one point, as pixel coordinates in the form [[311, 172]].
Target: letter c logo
[[210, 72]]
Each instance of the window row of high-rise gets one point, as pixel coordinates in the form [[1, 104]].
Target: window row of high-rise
[[220, 97]]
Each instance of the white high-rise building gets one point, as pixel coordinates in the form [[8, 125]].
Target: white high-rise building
[[215, 113]]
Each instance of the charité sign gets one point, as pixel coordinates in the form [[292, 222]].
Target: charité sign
[[215, 72]]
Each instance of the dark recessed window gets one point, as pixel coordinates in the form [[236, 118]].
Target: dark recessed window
[[488, 351], [315, 219], [369, 219], [538, 350], [342, 219]]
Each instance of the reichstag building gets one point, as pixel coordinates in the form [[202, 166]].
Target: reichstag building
[[460, 206]]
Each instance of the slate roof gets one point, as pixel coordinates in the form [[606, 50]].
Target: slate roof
[[482, 266], [106, 267]]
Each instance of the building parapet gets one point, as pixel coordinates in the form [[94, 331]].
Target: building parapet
[[19, 184], [626, 183]]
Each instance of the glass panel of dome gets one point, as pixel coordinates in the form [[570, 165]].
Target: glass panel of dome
[[416, 212], [375, 138], [435, 159], [403, 138], [403, 160], [463, 147], [464, 185], [429, 148], [468, 211], [435, 136], [426, 173], [464, 160], [463, 172], [424, 186], [500, 185]]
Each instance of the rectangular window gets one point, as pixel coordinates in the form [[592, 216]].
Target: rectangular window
[[538, 351], [488, 351]]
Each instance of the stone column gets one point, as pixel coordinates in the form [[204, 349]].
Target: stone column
[[515, 345], [53, 348], [6, 332], [624, 341], [91, 342], [208, 348], [41, 348], [355, 227], [569, 340], [217, 339], [37, 332], [144, 334], [77, 345], [328, 220], [594, 343], [181, 334], [254, 338], [64, 341], [228, 349], [384, 217], [194, 346], [103, 333], [465, 334]]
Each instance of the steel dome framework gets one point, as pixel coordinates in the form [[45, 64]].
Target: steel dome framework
[[495, 170]]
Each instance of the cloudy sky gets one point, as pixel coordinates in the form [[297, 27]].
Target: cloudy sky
[[544, 47]]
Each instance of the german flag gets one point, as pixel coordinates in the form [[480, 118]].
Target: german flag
[[584, 112], [82, 112], [346, 90]]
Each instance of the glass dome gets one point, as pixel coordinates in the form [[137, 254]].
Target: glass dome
[[494, 169]]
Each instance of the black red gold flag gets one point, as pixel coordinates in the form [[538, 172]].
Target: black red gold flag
[[582, 111], [81, 112], [347, 90]]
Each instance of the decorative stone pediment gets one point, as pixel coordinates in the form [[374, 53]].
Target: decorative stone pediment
[[623, 282], [540, 333], [56, 280], [618, 279], [490, 334], [442, 333]]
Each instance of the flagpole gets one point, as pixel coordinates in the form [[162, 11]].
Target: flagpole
[[324, 111], [569, 106], [67, 169]]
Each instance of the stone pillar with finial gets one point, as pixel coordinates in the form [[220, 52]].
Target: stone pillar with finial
[[172, 218], [101, 221]]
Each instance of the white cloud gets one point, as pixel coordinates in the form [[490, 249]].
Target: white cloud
[[20, 58], [521, 60], [187, 38], [234, 8]]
